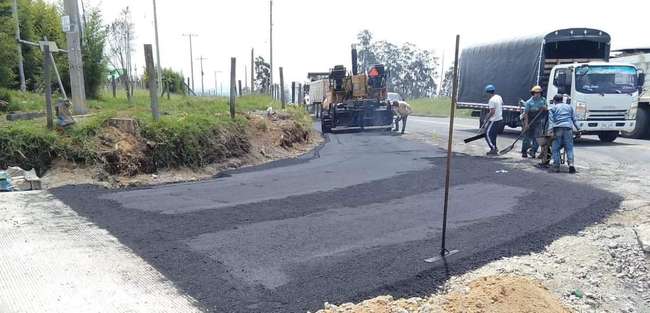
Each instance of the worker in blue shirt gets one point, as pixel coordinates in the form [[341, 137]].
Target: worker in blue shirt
[[534, 106], [562, 119]]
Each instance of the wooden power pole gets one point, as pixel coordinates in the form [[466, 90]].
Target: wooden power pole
[[282, 98], [252, 71]]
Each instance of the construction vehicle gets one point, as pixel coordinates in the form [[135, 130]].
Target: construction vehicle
[[356, 101], [603, 95], [639, 57]]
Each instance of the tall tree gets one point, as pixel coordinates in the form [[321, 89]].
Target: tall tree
[[95, 33], [262, 75], [447, 83], [120, 42]]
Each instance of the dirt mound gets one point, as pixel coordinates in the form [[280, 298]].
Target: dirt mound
[[491, 294], [504, 294]]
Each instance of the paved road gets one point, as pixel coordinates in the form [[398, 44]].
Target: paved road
[[352, 220]]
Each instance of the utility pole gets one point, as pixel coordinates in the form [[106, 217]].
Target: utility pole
[[158, 67], [233, 88], [21, 69], [74, 58], [252, 70], [245, 76], [190, 35], [442, 73], [202, 74], [282, 98], [215, 82], [271, 40], [48, 85]]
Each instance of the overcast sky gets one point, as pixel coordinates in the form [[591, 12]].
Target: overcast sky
[[314, 35]]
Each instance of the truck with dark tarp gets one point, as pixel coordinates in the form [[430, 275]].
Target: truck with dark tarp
[[640, 57], [571, 62]]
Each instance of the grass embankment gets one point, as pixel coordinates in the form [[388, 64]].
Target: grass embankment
[[192, 132], [435, 107]]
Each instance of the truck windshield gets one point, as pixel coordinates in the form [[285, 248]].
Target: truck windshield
[[606, 79]]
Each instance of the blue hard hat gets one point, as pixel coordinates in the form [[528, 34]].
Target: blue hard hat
[[490, 88]]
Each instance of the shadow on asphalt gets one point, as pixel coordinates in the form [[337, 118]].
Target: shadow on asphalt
[[536, 220]]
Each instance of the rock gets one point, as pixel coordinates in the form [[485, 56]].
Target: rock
[[643, 236], [612, 245]]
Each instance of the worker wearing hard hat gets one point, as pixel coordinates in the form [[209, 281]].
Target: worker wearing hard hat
[[493, 119], [533, 125], [402, 111]]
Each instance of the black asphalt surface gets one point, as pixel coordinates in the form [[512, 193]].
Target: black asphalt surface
[[352, 220]]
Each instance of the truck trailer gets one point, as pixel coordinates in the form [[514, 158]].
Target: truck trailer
[[571, 62], [639, 57]]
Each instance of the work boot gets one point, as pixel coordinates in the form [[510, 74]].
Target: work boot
[[524, 155], [572, 169], [555, 169], [493, 153]]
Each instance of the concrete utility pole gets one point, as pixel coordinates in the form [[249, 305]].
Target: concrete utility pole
[[202, 74], [252, 70], [190, 35], [158, 67], [245, 76], [74, 58], [271, 40], [19, 48]]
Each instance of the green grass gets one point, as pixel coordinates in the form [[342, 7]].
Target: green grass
[[435, 107], [192, 131]]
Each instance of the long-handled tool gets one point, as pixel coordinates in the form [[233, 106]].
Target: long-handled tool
[[479, 136], [523, 133]]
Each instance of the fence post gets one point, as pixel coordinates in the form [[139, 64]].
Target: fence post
[[153, 81], [239, 86], [233, 90], [282, 98]]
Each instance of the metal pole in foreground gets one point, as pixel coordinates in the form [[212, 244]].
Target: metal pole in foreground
[[454, 97], [152, 82], [233, 88]]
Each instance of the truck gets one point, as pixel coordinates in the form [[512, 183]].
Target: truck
[[356, 101], [573, 62], [639, 57]]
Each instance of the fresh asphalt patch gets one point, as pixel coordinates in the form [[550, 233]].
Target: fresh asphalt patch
[[354, 223]]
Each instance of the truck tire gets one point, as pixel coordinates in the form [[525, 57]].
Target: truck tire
[[642, 129], [608, 136], [325, 126]]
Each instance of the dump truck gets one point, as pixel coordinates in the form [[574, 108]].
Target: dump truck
[[572, 62], [356, 101], [639, 57]]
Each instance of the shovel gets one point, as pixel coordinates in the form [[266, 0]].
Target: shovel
[[523, 133]]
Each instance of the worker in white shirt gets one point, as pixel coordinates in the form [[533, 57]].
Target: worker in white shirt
[[493, 120]]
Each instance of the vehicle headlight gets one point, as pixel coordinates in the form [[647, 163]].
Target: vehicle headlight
[[581, 110], [631, 113]]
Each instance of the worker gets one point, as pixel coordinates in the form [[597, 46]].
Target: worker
[[402, 111], [493, 119], [533, 127], [562, 119]]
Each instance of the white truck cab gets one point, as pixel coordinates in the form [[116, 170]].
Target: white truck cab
[[604, 95]]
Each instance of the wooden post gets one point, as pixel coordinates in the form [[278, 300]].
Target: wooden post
[[239, 85], [293, 92], [233, 91], [48, 86], [152, 83], [252, 70], [167, 88], [282, 98], [301, 97], [113, 86]]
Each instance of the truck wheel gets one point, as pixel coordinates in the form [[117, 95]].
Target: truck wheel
[[608, 136], [642, 129], [326, 126]]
